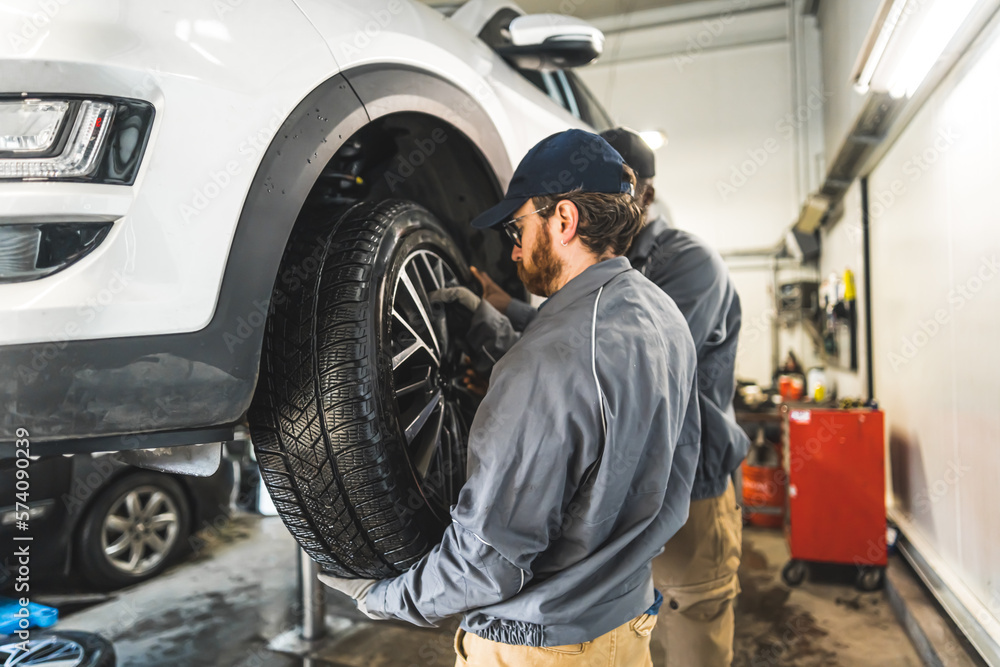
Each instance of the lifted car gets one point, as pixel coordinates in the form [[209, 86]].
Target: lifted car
[[225, 212]]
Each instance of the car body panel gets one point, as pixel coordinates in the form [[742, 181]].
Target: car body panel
[[403, 35], [117, 388], [219, 100], [154, 338]]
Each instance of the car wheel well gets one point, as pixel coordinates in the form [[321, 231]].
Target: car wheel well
[[420, 158]]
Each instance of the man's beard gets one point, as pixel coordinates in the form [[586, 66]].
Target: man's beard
[[545, 268]]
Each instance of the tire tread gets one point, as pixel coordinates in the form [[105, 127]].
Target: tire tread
[[323, 453]]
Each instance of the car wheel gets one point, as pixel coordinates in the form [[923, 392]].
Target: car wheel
[[61, 648], [360, 420], [134, 530]]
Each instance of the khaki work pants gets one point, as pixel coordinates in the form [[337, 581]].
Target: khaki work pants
[[697, 575], [625, 646]]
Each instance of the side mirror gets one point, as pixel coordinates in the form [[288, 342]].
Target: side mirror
[[551, 41]]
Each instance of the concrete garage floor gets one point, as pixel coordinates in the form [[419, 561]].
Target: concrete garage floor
[[237, 593]]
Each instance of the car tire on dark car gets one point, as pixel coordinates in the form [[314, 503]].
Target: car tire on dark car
[[133, 530], [65, 648], [360, 420]]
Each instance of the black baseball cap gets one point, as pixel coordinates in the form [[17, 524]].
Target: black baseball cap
[[568, 161], [633, 149]]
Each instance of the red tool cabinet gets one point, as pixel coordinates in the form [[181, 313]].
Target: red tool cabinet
[[835, 461]]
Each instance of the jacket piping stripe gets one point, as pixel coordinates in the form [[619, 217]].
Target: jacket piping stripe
[[494, 549], [593, 360]]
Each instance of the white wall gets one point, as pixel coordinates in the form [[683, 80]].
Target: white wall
[[934, 233], [719, 110], [936, 299], [728, 170]]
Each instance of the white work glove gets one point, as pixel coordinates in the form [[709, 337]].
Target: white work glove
[[355, 588], [462, 296]]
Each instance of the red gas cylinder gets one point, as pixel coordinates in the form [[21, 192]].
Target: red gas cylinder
[[765, 485]]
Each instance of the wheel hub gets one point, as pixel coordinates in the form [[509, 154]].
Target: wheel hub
[[140, 529]]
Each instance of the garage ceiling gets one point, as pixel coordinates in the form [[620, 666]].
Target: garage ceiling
[[587, 9], [595, 8]]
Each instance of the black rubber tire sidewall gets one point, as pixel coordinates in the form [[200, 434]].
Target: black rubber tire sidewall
[[389, 533]]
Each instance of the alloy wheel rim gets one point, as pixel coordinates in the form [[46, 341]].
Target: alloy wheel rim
[[434, 406], [50, 652], [140, 529]]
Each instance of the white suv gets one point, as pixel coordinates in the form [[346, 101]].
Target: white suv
[[229, 211]]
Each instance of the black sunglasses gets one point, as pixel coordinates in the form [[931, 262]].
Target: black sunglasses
[[513, 231]]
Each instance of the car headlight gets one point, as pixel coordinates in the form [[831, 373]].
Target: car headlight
[[93, 139]]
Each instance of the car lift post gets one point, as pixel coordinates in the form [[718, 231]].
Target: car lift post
[[311, 598], [309, 634]]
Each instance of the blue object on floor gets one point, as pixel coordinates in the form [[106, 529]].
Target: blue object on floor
[[11, 613]]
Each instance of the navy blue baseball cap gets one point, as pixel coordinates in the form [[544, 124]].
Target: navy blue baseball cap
[[568, 161]]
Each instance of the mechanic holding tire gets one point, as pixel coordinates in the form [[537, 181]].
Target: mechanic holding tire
[[583, 452], [698, 569]]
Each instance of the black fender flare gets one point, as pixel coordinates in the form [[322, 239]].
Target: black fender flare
[[391, 89]]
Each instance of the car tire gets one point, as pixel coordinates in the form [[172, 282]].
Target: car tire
[[360, 420], [58, 647], [133, 530]]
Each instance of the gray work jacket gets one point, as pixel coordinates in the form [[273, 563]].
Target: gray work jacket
[[581, 460], [697, 279]]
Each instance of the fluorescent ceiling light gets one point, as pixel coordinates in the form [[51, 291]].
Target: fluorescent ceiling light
[[942, 21], [909, 39], [863, 80], [655, 139]]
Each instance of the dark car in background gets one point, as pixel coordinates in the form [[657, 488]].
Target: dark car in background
[[108, 524]]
